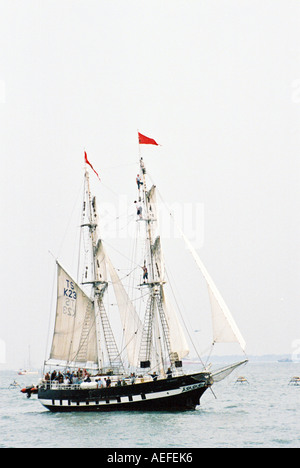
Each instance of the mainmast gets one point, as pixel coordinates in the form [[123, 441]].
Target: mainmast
[[155, 322]]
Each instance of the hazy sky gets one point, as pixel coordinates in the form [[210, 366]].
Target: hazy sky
[[217, 84]]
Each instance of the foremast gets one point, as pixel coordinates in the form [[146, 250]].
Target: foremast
[[95, 275]]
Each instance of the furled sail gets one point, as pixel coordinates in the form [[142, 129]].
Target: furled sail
[[158, 261], [132, 325], [152, 212], [225, 329], [152, 204], [223, 373], [100, 262], [157, 254], [74, 337]]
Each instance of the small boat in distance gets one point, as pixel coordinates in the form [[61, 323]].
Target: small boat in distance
[[295, 381], [87, 370], [14, 384], [27, 372], [28, 369], [241, 380]]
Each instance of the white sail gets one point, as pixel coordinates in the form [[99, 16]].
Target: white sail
[[225, 329], [132, 325], [178, 341], [74, 337]]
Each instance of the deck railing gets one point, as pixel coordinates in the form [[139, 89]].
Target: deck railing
[[55, 385]]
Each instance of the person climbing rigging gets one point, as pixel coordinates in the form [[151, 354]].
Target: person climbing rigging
[[139, 209], [145, 273], [138, 181], [142, 166]]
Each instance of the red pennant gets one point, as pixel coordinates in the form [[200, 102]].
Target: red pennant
[[144, 140], [88, 162]]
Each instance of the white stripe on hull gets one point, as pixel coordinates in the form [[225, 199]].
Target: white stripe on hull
[[122, 399]]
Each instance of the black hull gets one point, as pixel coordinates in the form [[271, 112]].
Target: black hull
[[176, 394]]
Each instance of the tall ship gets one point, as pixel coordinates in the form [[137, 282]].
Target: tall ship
[[98, 362]]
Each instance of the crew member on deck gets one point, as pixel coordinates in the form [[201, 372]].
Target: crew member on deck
[[154, 376]]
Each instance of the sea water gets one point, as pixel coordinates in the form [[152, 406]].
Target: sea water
[[265, 412]]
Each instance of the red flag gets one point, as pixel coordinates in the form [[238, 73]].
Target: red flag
[[144, 140], [88, 162]]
